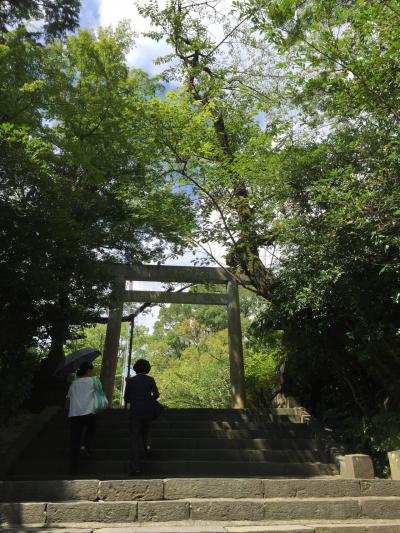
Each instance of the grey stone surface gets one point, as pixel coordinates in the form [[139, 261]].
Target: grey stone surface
[[48, 530], [394, 462], [131, 489], [46, 490], [227, 509], [379, 487], [85, 512], [163, 511], [311, 509], [164, 529], [287, 528], [380, 508], [356, 466], [362, 527], [213, 488], [22, 514], [25, 437], [310, 488]]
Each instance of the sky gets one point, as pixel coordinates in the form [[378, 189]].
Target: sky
[[111, 12]]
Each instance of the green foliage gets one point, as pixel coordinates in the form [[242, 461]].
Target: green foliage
[[94, 337], [317, 186], [81, 181], [263, 358], [200, 378], [188, 351], [59, 16], [336, 287]]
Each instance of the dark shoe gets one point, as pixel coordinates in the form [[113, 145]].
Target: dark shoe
[[135, 472], [85, 451]]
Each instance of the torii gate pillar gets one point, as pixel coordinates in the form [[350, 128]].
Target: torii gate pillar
[[111, 342], [235, 347]]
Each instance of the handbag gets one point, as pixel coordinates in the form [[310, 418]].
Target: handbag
[[100, 399]]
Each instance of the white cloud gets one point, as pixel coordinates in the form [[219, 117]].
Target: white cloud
[[146, 50], [112, 12]]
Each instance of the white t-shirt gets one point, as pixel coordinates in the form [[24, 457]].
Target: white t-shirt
[[81, 396]]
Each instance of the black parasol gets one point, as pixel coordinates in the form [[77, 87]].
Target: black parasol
[[74, 360]]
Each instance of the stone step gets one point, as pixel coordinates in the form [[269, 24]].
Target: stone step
[[370, 526], [59, 514], [202, 424], [178, 419], [193, 442], [107, 441], [160, 468], [194, 488], [120, 433], [165, 418], [184, 454], [204, 411]]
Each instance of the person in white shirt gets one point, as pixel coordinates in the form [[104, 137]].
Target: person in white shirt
[[81, 399]]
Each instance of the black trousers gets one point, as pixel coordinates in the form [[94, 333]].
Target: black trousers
[[82, 430], [139, 429]]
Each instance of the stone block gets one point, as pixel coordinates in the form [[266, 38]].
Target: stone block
[[310, 488], [86, 512], [50, 530], [227, 509], [380, 508], [312, 509], [394, 462], [162, 511], [163, 529], [287, 528], [22, 514], [175, 489], [46, 490], [357, 466], [360, 527], [131, 490], [380, 487]]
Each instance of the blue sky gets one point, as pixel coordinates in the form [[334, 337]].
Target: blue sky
[[110, 13], [89, 16]]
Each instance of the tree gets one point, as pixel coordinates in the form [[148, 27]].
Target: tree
[[339, 186], [81, 181], [59, 16], [188, 351], [210, 130], [20, 82], [321, 180]]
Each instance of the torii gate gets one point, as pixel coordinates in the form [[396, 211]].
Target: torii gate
[[174, 274]]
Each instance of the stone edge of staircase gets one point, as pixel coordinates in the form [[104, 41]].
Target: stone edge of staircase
[[371, 526], [323, 435], [29, 432]]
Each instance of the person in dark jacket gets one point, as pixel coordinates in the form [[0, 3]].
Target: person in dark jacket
[[140, 393]]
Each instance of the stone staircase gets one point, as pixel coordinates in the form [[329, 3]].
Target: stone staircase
[[213, 471], [189, 442], [203, 505]]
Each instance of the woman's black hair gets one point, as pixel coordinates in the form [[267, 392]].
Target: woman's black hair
[[83, 369], [142, 366]]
